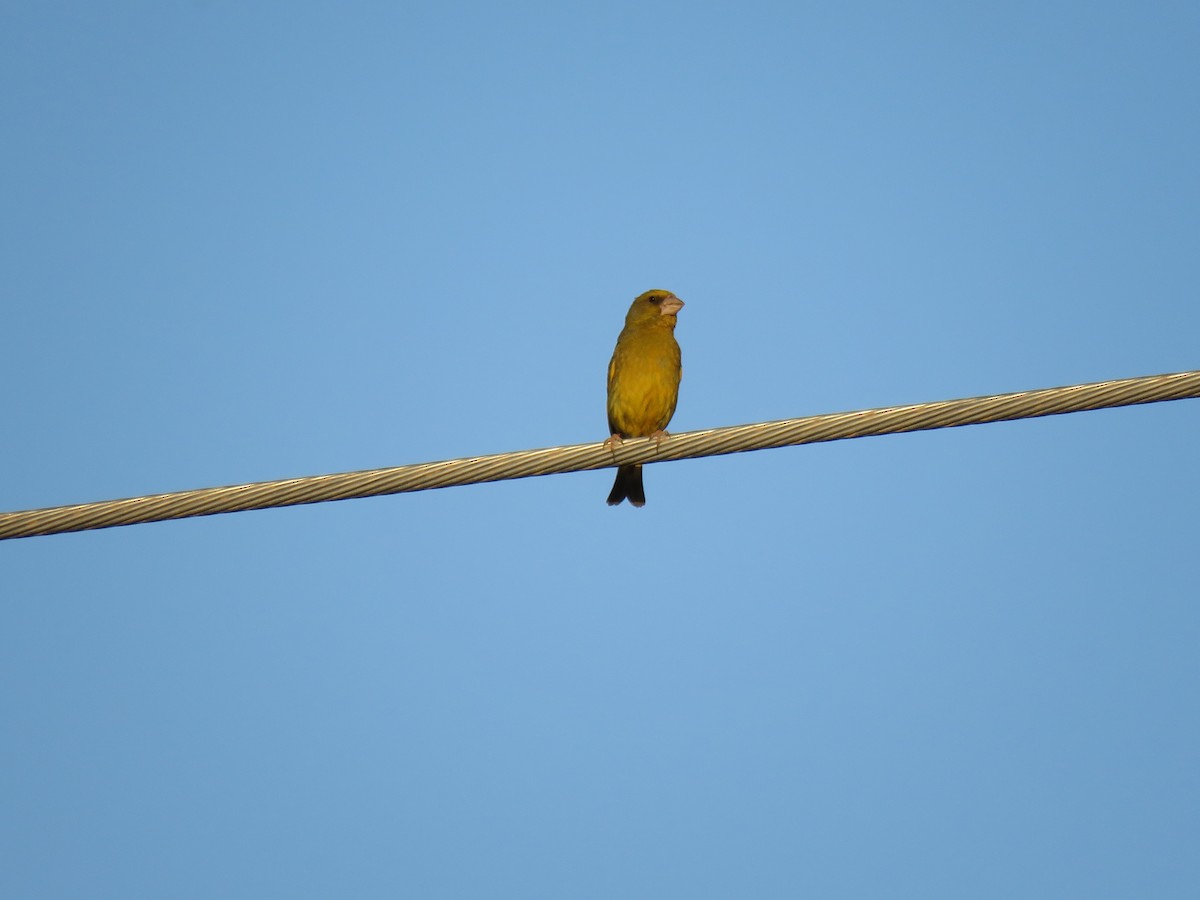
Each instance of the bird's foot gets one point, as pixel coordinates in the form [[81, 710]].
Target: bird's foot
[[612, 444], [658, 437]]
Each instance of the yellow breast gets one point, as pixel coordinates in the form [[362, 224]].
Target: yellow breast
[[643, 381]]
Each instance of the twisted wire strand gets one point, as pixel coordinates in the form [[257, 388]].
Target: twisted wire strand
[[583, 457]]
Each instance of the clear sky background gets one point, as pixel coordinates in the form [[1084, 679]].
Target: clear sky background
[[243, 241]]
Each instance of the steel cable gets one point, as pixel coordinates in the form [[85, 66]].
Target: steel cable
[[583, 457]]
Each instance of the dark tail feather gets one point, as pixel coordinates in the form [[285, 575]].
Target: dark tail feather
[[628, 486]]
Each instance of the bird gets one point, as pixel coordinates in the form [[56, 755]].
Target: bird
[[643, 383]]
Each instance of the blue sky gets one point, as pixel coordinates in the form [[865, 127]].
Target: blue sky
[[253, 241]]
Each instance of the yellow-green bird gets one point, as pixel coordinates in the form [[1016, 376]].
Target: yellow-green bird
[[643, 383]]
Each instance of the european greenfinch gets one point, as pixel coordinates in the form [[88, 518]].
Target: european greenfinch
[[643, 383]]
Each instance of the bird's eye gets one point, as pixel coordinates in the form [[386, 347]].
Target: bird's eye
[[656, 299]]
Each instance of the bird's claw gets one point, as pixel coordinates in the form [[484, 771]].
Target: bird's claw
[[614, 441]]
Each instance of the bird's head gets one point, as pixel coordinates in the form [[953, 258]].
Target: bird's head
[[652, 305]]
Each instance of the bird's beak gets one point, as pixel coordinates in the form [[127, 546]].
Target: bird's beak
[[671, 305]]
